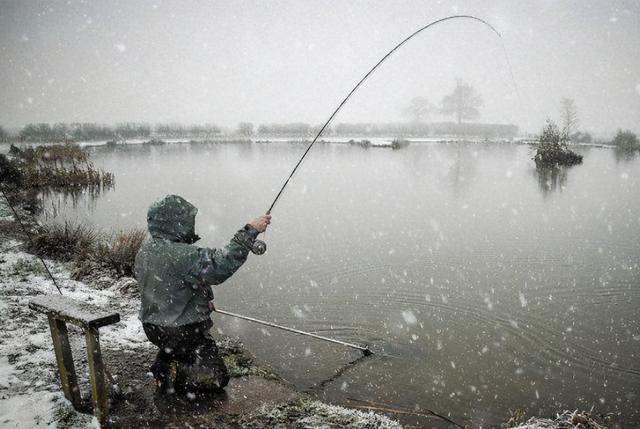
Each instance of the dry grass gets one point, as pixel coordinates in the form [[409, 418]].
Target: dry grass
[[89, 248], [121, 251], [65, 241]]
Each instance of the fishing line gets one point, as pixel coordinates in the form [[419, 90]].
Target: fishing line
[[513, 78], [366, 76], [26, 232]]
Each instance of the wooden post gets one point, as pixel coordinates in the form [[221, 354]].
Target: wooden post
[[99, 386], [62, 348]]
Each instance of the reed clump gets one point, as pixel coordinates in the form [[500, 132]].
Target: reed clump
[[626, 145], [119, 251], [362, 143], [626, 141], [58, 165], [90, 249], [552, 150], [9, 172], [399, 143], [64, 241]]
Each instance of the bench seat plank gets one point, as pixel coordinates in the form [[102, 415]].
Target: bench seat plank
[[73, 311]]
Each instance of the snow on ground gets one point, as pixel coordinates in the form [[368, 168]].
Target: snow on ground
[[30, 393], [42, 409], [346, 418], [314, 414], [564, 420]]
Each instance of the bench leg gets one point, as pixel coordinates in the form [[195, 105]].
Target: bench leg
[[62, 348], [100, 388]]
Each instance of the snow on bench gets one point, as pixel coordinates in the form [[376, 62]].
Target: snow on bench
[[59, 311], [72, 311]]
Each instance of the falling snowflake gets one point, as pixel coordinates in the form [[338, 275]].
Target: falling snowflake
[[523, 300], [409, 317], [297, 312]]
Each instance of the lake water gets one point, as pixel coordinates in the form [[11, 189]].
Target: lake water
[[483, 285]]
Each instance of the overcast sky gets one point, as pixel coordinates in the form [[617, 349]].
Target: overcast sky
[[267, 61]]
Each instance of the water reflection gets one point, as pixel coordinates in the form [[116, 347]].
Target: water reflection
[[50, 202], [625, 154], [462, 169], [551, 179]]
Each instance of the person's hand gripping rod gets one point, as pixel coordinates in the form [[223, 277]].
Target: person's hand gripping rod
[[260, 224]]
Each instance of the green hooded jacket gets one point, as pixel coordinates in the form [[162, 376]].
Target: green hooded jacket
[[175, 277]]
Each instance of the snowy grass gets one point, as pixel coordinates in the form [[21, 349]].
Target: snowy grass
[[312, 414], [42, 409], [5, 212], [564, 420]]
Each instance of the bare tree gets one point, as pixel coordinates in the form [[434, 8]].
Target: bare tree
[[463, 102], [569, 115], [419, 109]]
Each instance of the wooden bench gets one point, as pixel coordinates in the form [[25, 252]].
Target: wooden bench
[[59, 311]]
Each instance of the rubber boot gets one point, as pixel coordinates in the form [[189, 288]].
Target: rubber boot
[[164, 374]]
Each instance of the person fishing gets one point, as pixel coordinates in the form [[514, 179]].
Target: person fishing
[[175, 279]]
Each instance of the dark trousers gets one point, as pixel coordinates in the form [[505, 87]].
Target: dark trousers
[[196, 353]]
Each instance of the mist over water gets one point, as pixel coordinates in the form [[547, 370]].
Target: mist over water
[[482, 284]]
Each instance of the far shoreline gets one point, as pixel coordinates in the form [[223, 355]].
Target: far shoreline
[[371, 142]]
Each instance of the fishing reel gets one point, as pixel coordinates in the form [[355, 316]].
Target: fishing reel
[[255, 246], [259, 247]]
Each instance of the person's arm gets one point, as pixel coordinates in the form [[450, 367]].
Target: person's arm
[[217, 265]]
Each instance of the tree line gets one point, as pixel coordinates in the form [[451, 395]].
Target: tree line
[[76, 132], [61, 132]]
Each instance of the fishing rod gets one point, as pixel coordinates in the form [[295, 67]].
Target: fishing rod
[[260, 246], [366, 351], [366, 76], [26, 232]]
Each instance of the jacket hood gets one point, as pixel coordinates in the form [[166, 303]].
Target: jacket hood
[[173, 218]]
